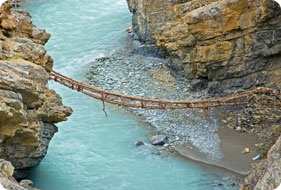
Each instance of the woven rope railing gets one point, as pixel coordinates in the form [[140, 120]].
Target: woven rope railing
[[137, 102]]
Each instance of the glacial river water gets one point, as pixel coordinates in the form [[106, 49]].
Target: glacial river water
[[90, 151]]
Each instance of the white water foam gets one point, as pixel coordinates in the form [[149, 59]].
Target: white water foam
[[2, 1], [2, 188]]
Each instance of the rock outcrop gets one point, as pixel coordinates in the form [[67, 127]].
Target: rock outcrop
[[232, 44], [28, 109], [7, 181]]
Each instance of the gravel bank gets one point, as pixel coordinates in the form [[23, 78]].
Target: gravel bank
[[194, 134], [143, 76]]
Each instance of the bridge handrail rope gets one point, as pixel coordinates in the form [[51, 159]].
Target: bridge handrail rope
[[138, 102]]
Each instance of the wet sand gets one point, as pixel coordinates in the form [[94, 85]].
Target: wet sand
[[232, 144]]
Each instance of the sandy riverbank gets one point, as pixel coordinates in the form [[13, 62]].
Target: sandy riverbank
[[232, 144]]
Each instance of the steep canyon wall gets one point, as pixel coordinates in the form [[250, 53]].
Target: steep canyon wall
[[28, 109], [230, 44]]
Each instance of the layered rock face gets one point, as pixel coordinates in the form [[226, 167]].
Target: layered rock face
[[28, 109], [232, 44]]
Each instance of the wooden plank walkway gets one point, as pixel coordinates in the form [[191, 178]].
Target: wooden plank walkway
[[138, 102]]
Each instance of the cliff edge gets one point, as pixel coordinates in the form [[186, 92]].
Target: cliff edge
[[28, 109], [229, 44]]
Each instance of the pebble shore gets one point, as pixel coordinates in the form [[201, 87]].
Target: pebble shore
[[149, 77]]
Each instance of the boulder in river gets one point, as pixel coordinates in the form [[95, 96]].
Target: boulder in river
[[139, 143], [159, 139]]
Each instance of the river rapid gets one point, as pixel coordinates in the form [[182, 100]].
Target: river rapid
[[91, 151]]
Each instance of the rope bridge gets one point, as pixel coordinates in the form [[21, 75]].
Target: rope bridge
[[137, 102]]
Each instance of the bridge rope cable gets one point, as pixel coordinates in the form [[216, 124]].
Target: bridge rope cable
[[138, 102]]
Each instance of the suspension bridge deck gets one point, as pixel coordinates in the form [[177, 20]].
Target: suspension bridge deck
[[138, 102]]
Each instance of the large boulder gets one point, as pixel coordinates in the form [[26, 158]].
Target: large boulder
[[158, 139]]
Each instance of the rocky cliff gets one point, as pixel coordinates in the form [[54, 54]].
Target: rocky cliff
[[224, 46], [28, 109], [228, 44]]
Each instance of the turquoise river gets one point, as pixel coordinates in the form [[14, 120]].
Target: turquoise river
[[90, 151]]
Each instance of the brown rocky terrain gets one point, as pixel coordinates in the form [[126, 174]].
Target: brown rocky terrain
[[224, 46], [28, 109], [228, 44], [262, 117], [7, 180], [265, 174]]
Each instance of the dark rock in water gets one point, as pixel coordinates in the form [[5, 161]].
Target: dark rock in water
[[159, 140], [156, 153], [217, 184], [139, 143], [21, 173]]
